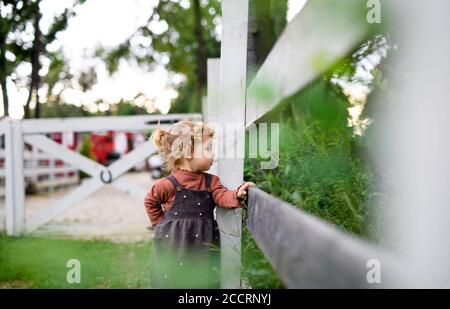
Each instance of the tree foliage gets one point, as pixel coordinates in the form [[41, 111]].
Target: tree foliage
[[180, 35], [23, 41]]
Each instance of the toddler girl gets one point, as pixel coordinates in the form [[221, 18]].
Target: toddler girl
[[180, 207]]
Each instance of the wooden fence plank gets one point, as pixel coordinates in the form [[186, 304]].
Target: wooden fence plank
[[233, 73], [59, 151], [211, 114], [322, 33], [307, 252], [58, 182], [14, 180], [31, 155], [99, 124], [43, 171], [63, 204]]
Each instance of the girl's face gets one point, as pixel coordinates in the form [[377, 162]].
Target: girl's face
[[203, 156]]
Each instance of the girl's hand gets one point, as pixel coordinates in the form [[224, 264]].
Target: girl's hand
[[242, 192]]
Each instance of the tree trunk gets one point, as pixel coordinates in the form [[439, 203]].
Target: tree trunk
[[3, 76], [35, 66], [5, 97], [26, 108], [37, 53], [279, 10], [252, 63], [267, 19]]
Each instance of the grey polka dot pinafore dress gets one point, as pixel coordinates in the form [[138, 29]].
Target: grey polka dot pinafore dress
[[186, 243]]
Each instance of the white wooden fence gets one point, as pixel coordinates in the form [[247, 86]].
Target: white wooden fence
[[42, 171], [303, 250], [290, 65], [32, 132]]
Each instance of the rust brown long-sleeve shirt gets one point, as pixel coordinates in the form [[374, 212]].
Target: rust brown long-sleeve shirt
[[162, 194]]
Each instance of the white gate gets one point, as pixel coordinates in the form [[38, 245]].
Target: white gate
[[32, 132]]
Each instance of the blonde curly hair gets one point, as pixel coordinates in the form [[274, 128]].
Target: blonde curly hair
[[179, 140]]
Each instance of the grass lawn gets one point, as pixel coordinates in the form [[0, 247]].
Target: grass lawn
[[35, 262]]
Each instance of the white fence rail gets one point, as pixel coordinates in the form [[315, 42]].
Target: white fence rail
[[42, 171], [307, 252], [324, 32], [99, 124], [231, 108]]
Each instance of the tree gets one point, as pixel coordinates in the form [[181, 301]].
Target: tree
[[58, 75], [36, 51], [14, 17], [20, 21], [182, 36]]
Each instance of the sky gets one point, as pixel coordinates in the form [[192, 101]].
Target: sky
[[106, 23]]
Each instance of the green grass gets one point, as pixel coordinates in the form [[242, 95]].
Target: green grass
[[34, 262], [320, 170], [256, 270]]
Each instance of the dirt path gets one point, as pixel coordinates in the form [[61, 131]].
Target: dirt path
[[106, 214]]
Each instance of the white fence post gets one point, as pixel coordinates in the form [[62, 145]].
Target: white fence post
[[211, 108], [415, 144], [232, 112], [14, 179]]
